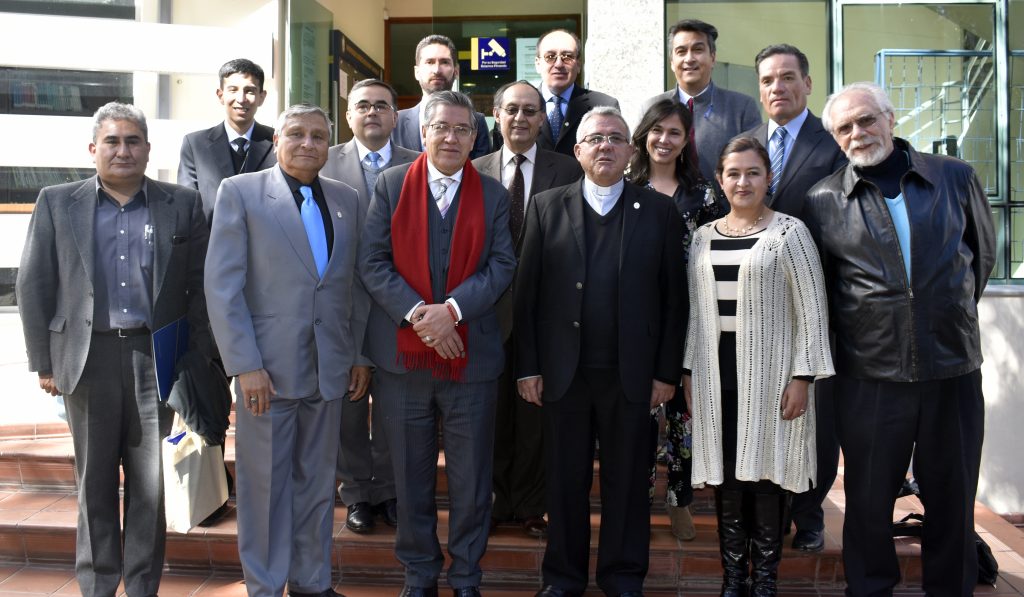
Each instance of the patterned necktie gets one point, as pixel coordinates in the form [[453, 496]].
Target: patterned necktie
[[518, 192], [241, 149], [371, 170], [313, 221], [443, 203], [778, 156], [689, 104], [555, 117]]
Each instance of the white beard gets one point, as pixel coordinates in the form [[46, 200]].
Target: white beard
[[871, 157]]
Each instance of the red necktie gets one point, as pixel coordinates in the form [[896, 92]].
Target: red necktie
[[689, 104]]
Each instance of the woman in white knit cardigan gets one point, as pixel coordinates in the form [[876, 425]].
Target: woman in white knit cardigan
[[757, 338]]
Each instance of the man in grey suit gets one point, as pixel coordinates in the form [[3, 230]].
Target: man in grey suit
[[524, 170], [108, 260], [558, 62], [435, 256], [802, 153], [718, 114], [239, 144], [437, 67], [367, 483], [288, 315]]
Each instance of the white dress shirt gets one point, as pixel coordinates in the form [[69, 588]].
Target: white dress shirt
[[508, 169]]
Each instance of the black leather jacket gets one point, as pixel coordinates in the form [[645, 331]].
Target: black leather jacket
[[886, 328]]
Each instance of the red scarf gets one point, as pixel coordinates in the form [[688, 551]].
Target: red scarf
[[409, 247]]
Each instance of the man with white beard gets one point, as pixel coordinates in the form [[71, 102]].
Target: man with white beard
[[907, 245]]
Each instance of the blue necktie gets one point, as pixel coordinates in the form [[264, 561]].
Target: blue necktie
[[314, 223], [778, 156], [371, 170], [555, 117]]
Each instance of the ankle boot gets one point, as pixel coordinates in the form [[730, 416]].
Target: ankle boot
[[766, 543], [732, 541], [682, 523]]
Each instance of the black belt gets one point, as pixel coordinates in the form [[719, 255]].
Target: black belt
[[123, 333]]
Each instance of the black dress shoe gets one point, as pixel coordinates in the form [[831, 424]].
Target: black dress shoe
[[408, 591], [631, 594], [360, 518], [535, 526], [553, 591], [324, 593], [809, 540], [388, 510], [466, 592]]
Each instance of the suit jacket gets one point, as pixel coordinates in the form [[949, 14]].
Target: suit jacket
[[814, 156], [205, 160], [580, 102], [343, 164], [268, 307], [653, 307], [407, 132], [550, 170], [718, 116], [56, 277], [476, 295]]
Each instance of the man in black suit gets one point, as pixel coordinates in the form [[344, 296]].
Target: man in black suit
[[600, 307], [718, 114], [437, 67], [525, 170], [802, 153], [239, 144], [558, 63], [366, 479]]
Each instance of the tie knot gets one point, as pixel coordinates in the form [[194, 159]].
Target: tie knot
[[374, 158], [519, 159], [689, 104], [781, 133], [557, 99], [240, 144], [306, 192]]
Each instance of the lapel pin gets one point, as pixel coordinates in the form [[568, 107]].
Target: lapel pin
[[339, 214], [636, 205]]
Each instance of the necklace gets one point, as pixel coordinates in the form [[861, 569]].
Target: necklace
[[730, 231]]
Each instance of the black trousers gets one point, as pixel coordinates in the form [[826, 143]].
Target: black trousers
[[518, 451], [805, 510], [881, 424], [595, 406]]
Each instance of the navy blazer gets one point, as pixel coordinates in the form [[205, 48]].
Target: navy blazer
[[580, 102]]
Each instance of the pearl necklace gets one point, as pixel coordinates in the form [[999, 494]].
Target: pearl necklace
[[730, 231]]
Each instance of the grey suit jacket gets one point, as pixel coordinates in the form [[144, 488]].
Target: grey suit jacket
[[476, 295], [550, 170], [718, 116], [55, 280], [407, 132], [343, 164], [268, 307], [580, 102], [205, 160], [814, 156]]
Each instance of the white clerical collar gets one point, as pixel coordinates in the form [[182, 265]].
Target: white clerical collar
[[507, 155], [435, 174], [233, 134], [792, 127], [384, 152], [602, 199]]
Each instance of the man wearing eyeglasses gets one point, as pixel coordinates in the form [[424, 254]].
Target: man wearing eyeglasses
[[600, 307], [436, 255], [558, 63], [525, 170], [907, 245], [437, 67], [366, 481], [718, 114]]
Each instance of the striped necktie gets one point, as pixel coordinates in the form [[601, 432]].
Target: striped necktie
[[778, 156]]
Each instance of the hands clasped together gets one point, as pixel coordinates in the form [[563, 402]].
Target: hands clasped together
[[436, 326]]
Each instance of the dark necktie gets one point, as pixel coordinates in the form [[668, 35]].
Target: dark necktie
[[555, 118], [689, 104], [241, 149], [518, 192]]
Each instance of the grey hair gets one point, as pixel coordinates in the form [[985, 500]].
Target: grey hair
[[881, 99], [297, 110], [119, 111], [599, 111], [448, 98]]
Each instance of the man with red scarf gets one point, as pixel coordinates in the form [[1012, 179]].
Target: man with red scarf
[[435, 255]]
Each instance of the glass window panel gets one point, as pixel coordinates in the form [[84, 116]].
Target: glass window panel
[[944, 92], [1015, 129], [1017, 242], [107, 9], [309, 41], [60, 92], [22, 185], [998, 220]]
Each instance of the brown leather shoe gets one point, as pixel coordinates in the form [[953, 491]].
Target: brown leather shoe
[[536, 526], [682, 523]]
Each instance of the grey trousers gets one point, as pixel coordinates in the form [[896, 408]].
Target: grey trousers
[[364, 461], [284, 483], [117, 421]]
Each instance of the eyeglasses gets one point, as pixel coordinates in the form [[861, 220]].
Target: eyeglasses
[[863, 122], [528, 111], [366, 107], [568, 58], [613, 139], [443, 128]]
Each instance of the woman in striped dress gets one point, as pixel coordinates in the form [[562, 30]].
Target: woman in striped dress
[[757, 338]]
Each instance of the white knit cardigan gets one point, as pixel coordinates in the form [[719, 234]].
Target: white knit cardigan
[[781, 332]]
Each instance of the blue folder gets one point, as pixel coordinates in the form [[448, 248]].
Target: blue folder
[[169, 343]]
